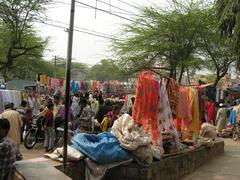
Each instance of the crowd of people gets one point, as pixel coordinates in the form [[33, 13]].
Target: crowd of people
[[89, 113]]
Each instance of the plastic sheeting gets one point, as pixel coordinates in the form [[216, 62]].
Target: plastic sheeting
[[103, 148]]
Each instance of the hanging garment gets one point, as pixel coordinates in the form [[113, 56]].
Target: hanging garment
[[73, 86], [173, 94], [233, 118], [192, 131], [145, 108], [165, 114], [183, 107]]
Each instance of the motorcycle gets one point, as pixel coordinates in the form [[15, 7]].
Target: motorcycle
[[35, 134]]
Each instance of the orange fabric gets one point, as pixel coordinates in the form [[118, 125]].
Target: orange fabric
[[178, 124], [145, 108]]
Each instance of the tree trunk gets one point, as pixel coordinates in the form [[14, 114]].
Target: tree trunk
[[4, 74], [181, 75], [188, 76]]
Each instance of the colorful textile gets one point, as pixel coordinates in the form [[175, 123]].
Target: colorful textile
[[183, 107], [173, 94], [233, 118], [165, 114], [192, 131], [145, 108]]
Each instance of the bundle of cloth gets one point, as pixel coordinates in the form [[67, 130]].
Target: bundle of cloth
[[208, 133], [132, 138]]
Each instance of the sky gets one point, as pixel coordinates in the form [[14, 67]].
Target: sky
[[87, 48]]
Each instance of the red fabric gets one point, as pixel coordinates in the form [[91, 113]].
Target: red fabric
[[211, 113], [145, 108]]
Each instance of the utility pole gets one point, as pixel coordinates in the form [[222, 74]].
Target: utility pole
[[68, 79]]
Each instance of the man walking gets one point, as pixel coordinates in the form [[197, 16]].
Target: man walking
[[15, 121]]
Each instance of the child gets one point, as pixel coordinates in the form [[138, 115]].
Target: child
[[49, 128]]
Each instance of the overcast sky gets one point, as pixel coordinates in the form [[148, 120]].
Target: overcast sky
[[87, 48]]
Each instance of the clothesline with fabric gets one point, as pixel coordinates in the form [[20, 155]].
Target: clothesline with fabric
[[163, 104], [112, 86]]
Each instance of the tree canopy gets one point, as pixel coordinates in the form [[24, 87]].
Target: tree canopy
[[17, 35], [182, 39]]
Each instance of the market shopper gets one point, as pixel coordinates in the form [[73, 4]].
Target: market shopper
[[113, 115], [15, 121], [56, 111], [86, 114], [26, 116], [8, 151], [103, 110], [49, 128], [75, 106]]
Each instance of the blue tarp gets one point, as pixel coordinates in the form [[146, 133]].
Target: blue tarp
[[103, 148]]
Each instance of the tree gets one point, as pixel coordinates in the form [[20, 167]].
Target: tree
[[166, 39], [229, 22], [17, 35], [106, 70], [216, 49]]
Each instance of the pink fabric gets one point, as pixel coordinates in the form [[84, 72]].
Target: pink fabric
[[183, 107]]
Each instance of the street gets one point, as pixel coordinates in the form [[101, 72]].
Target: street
[[225, 167], [36, 152]]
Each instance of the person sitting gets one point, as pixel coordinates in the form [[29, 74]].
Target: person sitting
[[8, 151]]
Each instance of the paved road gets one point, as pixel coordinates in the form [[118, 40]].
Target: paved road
[[36, 152], [225, 167]]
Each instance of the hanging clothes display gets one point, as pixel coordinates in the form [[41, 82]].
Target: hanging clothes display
[[10, 96], [145, 108]]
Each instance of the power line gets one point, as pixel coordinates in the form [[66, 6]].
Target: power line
[[85, 29], [105, 11], [116, 7], [129, 4], [115, 12], [77, 30]]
